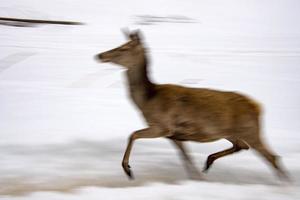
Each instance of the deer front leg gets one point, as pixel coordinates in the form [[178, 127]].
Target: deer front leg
[[187, 161], [144, 133]]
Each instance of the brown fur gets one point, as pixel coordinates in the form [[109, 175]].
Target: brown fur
[[188, 114]]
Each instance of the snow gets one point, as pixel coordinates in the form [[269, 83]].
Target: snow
[[65, 118]]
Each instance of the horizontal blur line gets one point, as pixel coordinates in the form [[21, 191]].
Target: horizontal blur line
[[38, 21]]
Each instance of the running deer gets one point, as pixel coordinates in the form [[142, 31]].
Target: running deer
[[188, 114]]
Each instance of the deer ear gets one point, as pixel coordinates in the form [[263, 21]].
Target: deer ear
[[135, 35], [126, 32]]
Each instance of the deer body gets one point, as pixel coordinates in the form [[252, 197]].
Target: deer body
[[188, 114]]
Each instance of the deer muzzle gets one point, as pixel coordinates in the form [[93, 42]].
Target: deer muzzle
[[102, 57]]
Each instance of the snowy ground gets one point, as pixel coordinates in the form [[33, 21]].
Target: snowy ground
[[65, 119]]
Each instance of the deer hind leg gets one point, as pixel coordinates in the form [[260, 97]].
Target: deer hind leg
[[237, 146], [187, 161], [144, 133], [273, 159]]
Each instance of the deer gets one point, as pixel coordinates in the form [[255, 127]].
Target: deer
[[183, 114]]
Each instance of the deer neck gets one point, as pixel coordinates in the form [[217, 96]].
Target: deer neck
[[140, 87]]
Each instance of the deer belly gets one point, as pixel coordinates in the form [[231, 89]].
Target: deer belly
[[193, 132]]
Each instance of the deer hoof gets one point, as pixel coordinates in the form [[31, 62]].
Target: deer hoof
[[209, 162], [206, 168], [128, 172]]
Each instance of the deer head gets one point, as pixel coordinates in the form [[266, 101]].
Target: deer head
[[128, 55]]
